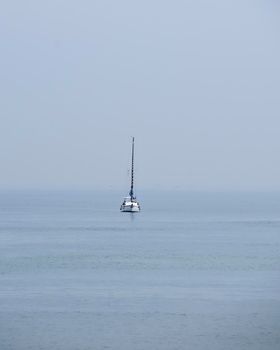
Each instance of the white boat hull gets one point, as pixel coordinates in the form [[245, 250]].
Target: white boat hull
[[130, 207]]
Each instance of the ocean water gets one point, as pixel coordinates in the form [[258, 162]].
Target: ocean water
[[191, 271]]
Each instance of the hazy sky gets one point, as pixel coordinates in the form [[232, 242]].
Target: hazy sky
[[196, 82]]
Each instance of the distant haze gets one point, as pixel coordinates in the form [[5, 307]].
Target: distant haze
[[196, 82]]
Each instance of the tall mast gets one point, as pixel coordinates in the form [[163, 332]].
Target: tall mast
[[132, 170]]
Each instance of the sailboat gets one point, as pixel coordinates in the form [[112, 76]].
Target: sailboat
[[130, 204]]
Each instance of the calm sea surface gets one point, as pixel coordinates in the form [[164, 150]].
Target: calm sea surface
[[191, 271]]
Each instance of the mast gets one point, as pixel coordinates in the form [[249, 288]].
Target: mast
[[132, 170]]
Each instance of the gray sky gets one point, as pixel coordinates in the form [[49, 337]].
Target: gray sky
[[196, 82]]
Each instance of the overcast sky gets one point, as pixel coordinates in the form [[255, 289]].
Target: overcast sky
[[196, 82]]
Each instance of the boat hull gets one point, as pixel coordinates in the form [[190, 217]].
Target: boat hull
[[127, 209], [130, 207]]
